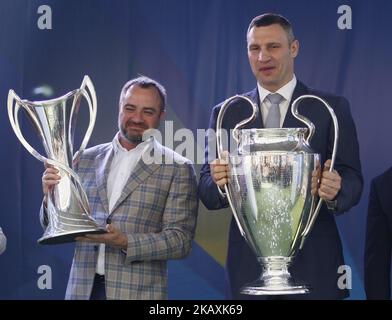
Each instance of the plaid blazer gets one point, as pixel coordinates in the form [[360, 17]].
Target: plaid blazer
[[157, 211]]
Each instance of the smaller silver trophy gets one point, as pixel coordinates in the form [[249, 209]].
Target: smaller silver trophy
[[270, 193], [68, 209]]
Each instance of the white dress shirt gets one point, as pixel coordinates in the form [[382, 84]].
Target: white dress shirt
[[286, 92], [123, 163]]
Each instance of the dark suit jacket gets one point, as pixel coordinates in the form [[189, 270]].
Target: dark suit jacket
[[378, 246], [318, 262]]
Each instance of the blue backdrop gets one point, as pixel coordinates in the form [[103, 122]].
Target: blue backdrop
[[197, 49]]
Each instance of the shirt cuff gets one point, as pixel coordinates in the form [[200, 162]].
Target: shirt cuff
[[332, 205]]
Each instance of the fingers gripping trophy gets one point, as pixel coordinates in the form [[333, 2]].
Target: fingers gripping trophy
[[270, 192], [68, 209]]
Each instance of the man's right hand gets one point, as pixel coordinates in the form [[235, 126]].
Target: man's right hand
[[50, 178], [219, 171]]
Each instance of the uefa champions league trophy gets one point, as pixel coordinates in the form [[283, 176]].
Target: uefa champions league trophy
[[68, 210], [270, 193]]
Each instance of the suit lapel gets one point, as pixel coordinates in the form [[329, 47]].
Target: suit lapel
[[102, 167], [290, 121], [140, 173]]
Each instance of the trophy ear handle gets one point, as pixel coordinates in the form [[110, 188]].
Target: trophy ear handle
[[294, 110], [310, 125], [219, 121], [236, 136], [303, 119], [88, 92], [14, 106]]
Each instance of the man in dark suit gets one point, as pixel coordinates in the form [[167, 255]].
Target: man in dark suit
[[272, 49], [378, 248]]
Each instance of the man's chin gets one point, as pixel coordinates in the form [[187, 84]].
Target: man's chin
[[134, 139]]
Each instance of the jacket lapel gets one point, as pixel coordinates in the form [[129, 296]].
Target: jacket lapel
[[102, 167], [140, 173]]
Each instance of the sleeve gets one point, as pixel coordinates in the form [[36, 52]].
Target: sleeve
[[348, 162], [178, 223], [207, 189], [377, 250]]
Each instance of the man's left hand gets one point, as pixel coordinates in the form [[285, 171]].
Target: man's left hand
[[330, 183], [114, 237]]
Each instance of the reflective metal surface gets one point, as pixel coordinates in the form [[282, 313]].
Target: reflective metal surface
[[270, 194], [68, 210]]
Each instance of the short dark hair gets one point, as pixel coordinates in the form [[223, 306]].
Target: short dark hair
[[145, 82], [268, 19]]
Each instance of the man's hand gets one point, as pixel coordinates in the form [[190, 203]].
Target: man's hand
[[316, 176], [50, 178], [220, 171], [114, 237], [330, 183]]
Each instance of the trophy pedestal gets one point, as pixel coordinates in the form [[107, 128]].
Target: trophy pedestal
[[275, 279], [64, 226], [260, 288], [65, 237]]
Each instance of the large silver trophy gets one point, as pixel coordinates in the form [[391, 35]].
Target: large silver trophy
[[68, 209], [270, 193]]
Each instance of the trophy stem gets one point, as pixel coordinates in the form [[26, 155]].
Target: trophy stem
[[275, 279]]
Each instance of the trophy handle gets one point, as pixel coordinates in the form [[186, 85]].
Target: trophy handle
[[294, 110], [239, 125], [88, 92], [14, 105], [300, 117]]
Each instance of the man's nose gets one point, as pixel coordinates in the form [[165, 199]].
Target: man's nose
[[263, 56], [137, 117]]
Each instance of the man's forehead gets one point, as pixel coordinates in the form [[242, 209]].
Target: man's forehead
[[267, 36], [142, 97]]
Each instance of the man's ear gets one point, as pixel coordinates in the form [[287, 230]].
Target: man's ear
[[294, 48], [162, 114]]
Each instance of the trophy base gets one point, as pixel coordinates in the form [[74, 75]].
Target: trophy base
[[260, 287], [66, 237], [275, 279]]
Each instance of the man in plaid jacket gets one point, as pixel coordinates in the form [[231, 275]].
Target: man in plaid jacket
[[149, 207]]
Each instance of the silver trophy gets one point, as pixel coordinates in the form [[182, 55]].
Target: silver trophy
[[269, 191], [68, 209]]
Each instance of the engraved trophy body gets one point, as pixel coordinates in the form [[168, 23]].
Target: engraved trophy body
[[270, 194], [68, 210]]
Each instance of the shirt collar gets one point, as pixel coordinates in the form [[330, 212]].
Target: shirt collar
[[286, 91]]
